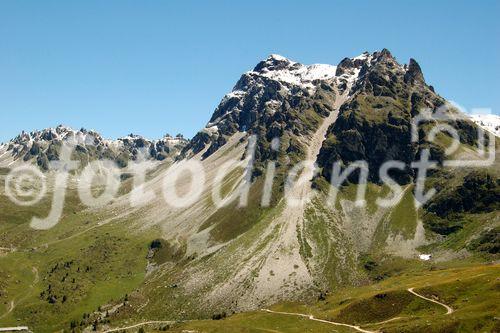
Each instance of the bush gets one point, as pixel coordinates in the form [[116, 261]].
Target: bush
[[489, 242], [219, 316], [479, 193], [156, 244]]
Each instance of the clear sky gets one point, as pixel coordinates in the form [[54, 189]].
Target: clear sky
[[152, 67]]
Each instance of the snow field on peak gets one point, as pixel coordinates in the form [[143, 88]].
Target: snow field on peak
[[490, 122], [301, 76]]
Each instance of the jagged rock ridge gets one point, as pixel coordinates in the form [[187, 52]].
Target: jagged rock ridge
[[44, 146]]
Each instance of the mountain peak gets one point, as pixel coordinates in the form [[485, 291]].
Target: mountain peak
[[273, 62], [386, 53], [288, 72], [277, 57], [270, 87], [363, 56]]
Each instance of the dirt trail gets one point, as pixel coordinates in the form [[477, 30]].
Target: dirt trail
[[449, 310], [109, 220], [311, 317], [13, 303], [385, 321], [139, 325]]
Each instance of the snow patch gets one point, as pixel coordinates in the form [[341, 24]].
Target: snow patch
[[235, 93], [295, 73], [425, 257], [302, 75], [278, 57], [489, 122], [211, 130], [363, 56]]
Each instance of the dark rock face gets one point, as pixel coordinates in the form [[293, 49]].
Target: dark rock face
[[345, 64], [275, 63], [414, 74], [360, 139], [375, 124], [264, 104]]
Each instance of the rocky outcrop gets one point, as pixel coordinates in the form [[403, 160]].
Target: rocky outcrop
[[414, 73]]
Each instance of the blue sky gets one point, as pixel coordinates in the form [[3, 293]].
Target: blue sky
[[152, 67]]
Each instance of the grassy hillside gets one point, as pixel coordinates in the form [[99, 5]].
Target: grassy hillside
[[50, 278], [472, 291]]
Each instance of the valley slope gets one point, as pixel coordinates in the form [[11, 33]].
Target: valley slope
[[119, 265]]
